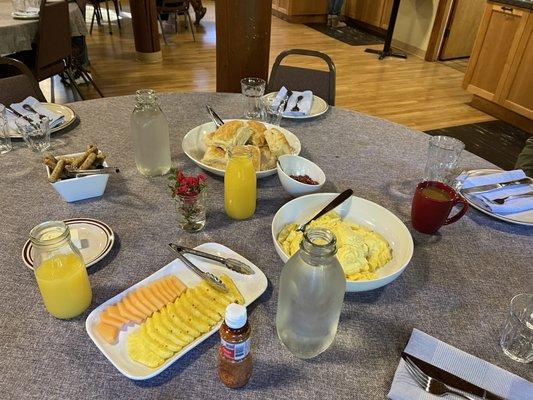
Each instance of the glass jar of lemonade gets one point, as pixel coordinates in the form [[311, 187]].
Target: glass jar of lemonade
[[240, 184], [60, 270]]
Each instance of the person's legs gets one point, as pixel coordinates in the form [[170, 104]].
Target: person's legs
[[335, 10], [199, 10]]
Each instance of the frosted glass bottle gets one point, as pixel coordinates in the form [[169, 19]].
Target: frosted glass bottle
[[151, 135], [311, 292]]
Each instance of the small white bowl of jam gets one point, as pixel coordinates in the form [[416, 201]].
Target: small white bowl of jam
[[299, 176]]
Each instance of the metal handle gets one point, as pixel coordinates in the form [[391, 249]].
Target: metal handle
[[464, 396], [199, 253], [341, 198], [503, 8], [214, 116]]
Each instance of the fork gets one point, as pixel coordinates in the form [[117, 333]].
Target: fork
[[429, 384]]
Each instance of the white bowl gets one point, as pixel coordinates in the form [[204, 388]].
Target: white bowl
[[193, 146], [296, 165], [362, 212], [85, 187]]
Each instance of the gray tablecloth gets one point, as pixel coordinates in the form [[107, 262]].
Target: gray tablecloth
[[456, 288], [17, 35]]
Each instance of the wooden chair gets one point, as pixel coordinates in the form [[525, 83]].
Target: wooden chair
[[176, 8], [52, 50], [17, 82], [322, 83], [97, 13]]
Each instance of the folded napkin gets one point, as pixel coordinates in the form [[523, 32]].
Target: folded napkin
[[472, 369], [29, 12], [512, 204], [304, 105], [55, 118]]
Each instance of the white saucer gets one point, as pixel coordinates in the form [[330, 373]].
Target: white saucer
[[94, 238]]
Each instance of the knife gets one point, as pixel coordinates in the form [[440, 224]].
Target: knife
[[452, 380], [483, 188]]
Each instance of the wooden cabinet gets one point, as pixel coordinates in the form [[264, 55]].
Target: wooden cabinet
[[300, 11], [375, 13], [500, 66]]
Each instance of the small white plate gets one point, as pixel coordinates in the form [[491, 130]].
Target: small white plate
[[94, 238], [362, 212], [250, 286], [319, 107], [67, 112], [521, 218], [194, 147]]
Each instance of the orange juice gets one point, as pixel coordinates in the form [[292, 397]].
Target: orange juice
[[64, 285], [240, 186]]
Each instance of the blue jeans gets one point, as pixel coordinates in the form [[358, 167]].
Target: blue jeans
[[335, 7]]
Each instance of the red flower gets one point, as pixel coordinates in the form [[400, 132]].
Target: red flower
[[187, 185]]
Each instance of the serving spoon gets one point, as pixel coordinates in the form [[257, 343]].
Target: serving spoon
[[214, 116], [337, 201]]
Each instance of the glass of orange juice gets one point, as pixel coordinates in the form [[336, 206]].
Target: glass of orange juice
[[60, 270], [240, 184]]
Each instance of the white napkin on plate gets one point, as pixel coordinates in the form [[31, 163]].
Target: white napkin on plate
[[55, 118], [29, 12], [472, 369], [279, 98], [512, 204], [304, 105]]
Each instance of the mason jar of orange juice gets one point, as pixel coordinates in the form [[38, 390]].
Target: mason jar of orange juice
[[240, 184], [60, 270]]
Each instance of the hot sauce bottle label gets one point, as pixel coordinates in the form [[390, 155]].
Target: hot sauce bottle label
[[235, 351]]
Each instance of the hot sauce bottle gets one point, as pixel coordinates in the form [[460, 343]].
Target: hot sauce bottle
[[234, 357]]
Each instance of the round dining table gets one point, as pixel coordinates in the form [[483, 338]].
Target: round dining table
[[18, 34], [456, 288]]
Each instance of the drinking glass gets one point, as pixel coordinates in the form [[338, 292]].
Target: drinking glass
[[19, 5], [35, 131], [5, 140], [252, 89], [272, 113], [517, 335], [443, 153]]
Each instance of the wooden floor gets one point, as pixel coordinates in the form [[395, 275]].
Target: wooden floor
[[411, 92]]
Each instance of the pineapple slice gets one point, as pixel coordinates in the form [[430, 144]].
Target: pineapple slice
[[138, 351]]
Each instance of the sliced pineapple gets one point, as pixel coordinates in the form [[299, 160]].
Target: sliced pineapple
[[138, 351]]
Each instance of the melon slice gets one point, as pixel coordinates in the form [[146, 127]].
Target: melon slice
[[113, 311], [142, 304], [173, 290], [108, 332], [150, 294], [146, 298], [135, 307], [169, 297], [177, 283], [106, 318], [154, 287], [127, 314]]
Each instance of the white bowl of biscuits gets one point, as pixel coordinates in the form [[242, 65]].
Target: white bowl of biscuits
[[208, 146]]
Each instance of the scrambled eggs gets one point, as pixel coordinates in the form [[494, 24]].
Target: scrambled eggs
[[360, 251]]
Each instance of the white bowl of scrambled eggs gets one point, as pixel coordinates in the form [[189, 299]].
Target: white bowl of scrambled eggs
[[374, 245]]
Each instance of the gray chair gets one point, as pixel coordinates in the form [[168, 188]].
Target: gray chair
[[322, 83], [17, 82]]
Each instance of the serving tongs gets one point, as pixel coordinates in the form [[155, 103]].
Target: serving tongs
[[230, 263], [214, 116], [211, 279], [76, 173]]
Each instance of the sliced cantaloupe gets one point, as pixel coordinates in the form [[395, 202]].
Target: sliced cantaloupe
[[135, 307], [109, 320], [173, 290], [114, 312], [178, 283], [108, 332], [150, 294], [142, 296], [127, 314], [161, 296], [135, 299], [163, 289]]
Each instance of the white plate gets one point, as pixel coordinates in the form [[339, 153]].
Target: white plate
[[194, 147], [362, 212], [67, 112], [250, 286], [319, 107], [94, 238], [521, 218]]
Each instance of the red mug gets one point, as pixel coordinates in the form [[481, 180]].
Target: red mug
[[432, 203]]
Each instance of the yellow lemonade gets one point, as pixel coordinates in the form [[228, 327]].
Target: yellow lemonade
[[240, 187], [64, 285]]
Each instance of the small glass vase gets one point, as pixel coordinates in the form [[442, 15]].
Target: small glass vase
[[191, 212]]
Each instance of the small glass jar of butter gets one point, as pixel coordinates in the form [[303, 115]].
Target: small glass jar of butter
[[60, 270]]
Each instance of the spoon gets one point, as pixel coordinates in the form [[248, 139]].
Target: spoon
[[518, 196], [296, 108], [32, 110], [337, 201]]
